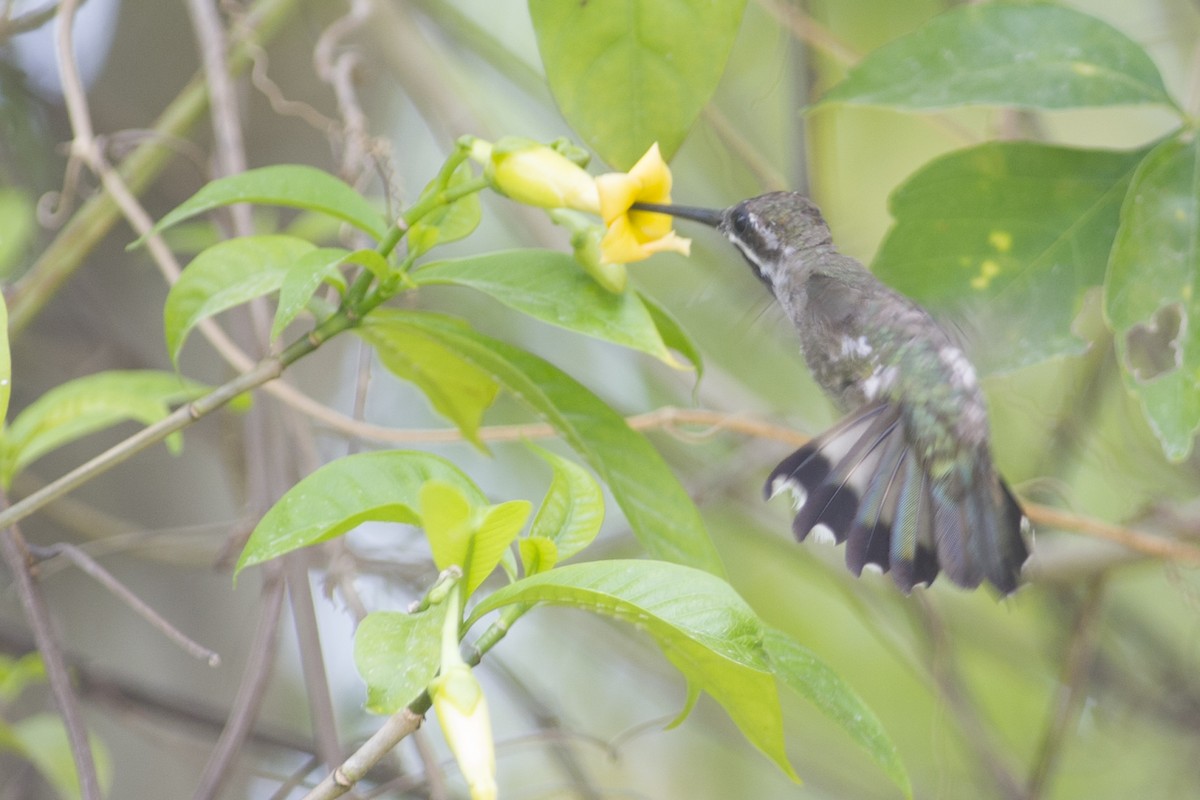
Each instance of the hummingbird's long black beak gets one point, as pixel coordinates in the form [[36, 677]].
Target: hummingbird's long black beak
[[709, 216]]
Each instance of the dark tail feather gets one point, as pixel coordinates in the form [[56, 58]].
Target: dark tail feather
[[826, 477], [868, 540], [861, 483]]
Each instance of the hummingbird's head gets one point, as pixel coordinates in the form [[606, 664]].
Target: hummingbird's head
[[766, 229]]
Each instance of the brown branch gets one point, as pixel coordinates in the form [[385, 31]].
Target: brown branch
[[16, 556], [1072, 688], [105, 578], [1139, 541]]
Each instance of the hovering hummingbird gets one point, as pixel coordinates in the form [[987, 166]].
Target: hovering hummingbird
[[906, 480]]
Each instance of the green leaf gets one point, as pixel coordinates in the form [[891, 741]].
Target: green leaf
[[446, 223], [472, 538], [225, 275], [398, 655], [804, 673], [1011, 235], [550, 287], [458, 388], [1028, 55], [291, 185], [703, 626], [1152, 296], [92, 403], [627, 73], [381, 486], [657, 507], [42, 740], [538, 554], [305, 276], [573, 510], [673, 334]]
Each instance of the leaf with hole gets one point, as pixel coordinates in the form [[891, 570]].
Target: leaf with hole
[[1152, 293]]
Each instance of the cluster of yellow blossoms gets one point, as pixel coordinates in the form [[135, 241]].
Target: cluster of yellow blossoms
[[552, 177]]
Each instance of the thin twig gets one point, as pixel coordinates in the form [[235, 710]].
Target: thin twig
[[977, 735], [312, 661], [12, 547], [1148, 544], [102, 576], [250, 691], [1072, 688], [229, 151]]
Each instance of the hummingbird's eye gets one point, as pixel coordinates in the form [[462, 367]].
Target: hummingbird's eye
[[739, 221]]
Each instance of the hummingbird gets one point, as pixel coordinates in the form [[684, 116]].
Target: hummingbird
[[906, 478]]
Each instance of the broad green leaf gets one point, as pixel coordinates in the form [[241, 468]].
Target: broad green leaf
[[89, 404], [471, 538], [1011, 235], [225, 275], [703, 626], [445, 516], [1152, 294], [573, 510], [801, 671], [673, 334], [447, 223], [5, 363], [18, 227], [312, 269], [657, 507], [627, 73], [549, 286], [291, 185], [42, 740], [538, 554], [339, 496], [1029, 55], [458, 388], [303, 278], [398, 655], [496, 531]]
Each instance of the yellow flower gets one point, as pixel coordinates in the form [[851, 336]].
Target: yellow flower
[[635, 235], [463, 714], [536, 175]]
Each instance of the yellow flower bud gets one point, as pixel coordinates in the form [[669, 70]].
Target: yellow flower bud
[[537, 175], [462, 712]]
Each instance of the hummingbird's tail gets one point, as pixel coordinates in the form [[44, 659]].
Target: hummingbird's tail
[[861, 483]]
